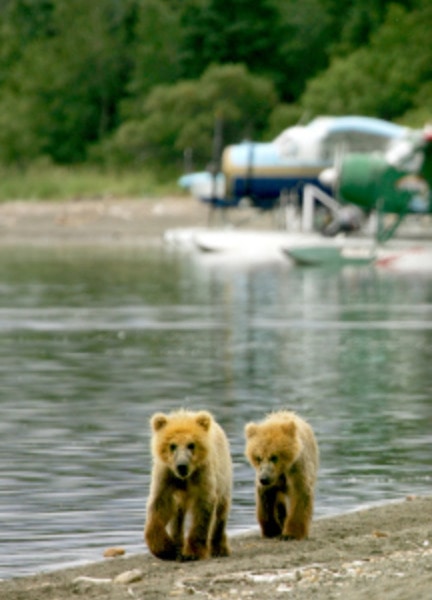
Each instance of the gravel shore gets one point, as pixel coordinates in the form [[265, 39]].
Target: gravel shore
[[97, 222], [383, 553]]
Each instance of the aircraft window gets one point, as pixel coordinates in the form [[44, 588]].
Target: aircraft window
[[351, 142]]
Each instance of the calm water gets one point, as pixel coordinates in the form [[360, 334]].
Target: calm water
[[93, 343]]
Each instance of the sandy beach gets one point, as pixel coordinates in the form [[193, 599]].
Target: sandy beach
[[383, 552]]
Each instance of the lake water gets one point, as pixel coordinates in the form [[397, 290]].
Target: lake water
[[92, 343]]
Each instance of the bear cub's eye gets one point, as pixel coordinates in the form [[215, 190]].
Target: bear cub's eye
[[257, 459], [273, 459], [191, 446], [173, 447]]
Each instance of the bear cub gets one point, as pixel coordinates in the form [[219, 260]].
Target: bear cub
[[284, 452], [191, 480]]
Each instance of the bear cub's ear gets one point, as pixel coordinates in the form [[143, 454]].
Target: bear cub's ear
[[204, 419], [251, 429], [158, 421]]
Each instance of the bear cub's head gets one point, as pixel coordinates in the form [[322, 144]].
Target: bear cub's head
[[272, 449], [180, 440]]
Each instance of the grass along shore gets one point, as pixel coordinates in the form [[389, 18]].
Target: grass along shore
[[42, 181]]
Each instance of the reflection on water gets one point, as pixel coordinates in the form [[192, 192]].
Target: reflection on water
[[93, 344]]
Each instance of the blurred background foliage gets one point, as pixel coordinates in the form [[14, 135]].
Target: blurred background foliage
[[141, 83]]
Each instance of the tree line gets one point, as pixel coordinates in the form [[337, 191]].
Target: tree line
[[142, 82]]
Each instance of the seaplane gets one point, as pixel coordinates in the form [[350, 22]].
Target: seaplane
[[268, 174], [273, 176], [363, 170]]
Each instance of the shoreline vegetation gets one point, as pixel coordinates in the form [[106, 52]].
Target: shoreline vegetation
[[44, 181], [379, 552]]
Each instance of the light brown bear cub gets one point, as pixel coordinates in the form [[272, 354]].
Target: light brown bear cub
[[191, 477], [284, 452]]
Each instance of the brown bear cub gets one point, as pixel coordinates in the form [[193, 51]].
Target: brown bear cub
[[191, 477], [284, 452]]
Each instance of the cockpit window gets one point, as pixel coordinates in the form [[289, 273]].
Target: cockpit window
[[351, 141]]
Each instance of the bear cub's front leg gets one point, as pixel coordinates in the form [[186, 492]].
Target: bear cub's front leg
[[271, 513], [159, 542]]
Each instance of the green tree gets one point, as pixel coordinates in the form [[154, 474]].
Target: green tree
[[22, 22], [63, 91], [155, 48], [352, 26], [383, 78], [182, 117], [302, 46], [238, 31]]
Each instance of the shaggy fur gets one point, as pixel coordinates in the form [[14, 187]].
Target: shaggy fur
[[284, 452], [192, 476]]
